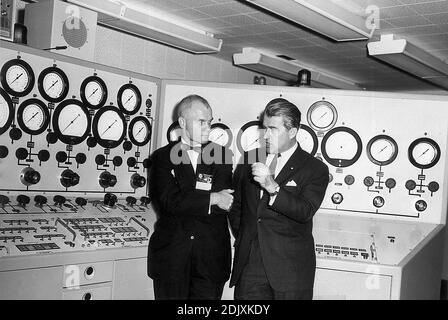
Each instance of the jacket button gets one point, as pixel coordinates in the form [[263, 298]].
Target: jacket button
[[259, 220]]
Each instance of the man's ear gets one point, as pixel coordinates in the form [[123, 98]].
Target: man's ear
[[182, 122], [293, 133]]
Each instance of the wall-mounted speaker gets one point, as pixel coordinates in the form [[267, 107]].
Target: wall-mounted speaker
[[61, 27]]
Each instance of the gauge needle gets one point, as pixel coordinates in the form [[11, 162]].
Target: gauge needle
[[382, 149], [32, 117], [129, 99], [323, 115], [109, 127], [53, 84], [17, 78], [93, 92], [423, 153], [220, 136], [253, 142], [71, 122], [140, 131]]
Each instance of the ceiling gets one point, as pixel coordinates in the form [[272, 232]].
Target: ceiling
[[239, 24]]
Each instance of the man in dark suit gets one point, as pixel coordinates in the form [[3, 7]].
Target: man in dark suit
[[189, 253], [275, 201]]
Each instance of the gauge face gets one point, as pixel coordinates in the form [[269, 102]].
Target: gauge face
[[129, 99], [109, 127], [250, 137], [424, 153], [17, 77], [341, 147], [33, 116], [322, 116], [382, 150], [307, 139], [221, 134], [93, 92], [6, 111], [71, 122], [53, 84], [174, 132], [139, 131]]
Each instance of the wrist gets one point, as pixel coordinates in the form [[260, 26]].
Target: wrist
[[273, 188]]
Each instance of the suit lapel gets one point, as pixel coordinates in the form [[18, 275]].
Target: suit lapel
[[294, 163]]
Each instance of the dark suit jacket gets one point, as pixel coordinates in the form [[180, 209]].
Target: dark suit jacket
[[183, 212], [284, 229]]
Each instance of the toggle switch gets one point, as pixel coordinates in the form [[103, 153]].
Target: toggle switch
[[145, 201], [59, 200], [131, 200], [23, 200], [40, 200], [80, 201]]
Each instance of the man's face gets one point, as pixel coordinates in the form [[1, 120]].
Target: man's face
[[196, 123], [278, 138]]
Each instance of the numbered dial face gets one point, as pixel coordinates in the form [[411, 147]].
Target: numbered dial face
[[250, 137], [322, 116], [53, 84], [221, 134], [139, 131], [341, 147], [424, 153], [17, 77], [33, 116], [109, 127], [6, 111], [382, 150], [93, 92], [129, 99], [71, 122], [174, 132], [307, 139]]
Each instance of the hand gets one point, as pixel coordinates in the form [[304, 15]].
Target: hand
[[263, 176], [223, 199]]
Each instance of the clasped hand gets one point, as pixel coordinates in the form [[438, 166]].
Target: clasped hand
[[263, 176], [223, 199]]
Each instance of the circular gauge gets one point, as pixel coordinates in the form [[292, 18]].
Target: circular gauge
[[17, 77], [221, 134], [93, 92], [33, 116], [322, 115], [250, 136], [6, 111], [109, 127], [53, 84], [129, 99], [382, 150], [174, 132], [424, 153], [71, 122], [341, 147], [139, 131], [307, 139]]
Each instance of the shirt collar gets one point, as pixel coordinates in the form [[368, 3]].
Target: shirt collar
[[191, 144], [288, 153]]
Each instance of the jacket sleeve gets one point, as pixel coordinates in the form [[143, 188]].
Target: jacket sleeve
[[235, 211]]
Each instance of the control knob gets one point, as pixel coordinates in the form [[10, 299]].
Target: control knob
[[29, 176], [59, 200], [80, 201], [107, 179], [110, 199], [69, 178], [40, 200], [23, 200], [131, 200], [137, 181], [145, 201]]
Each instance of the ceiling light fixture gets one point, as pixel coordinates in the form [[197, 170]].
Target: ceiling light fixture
[[119, 16], [410, 58], [280, 68]]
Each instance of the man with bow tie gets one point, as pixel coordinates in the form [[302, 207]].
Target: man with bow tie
[[271, 218], [189, 253]]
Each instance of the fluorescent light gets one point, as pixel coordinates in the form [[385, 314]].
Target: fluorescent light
[[119, 16], [323, 16], [279, 68], [408, 57]]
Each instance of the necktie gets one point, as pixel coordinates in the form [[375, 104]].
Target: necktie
[[273, 164]]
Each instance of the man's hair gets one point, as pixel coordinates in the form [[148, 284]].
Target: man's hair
[[282, 107], [186, 103]]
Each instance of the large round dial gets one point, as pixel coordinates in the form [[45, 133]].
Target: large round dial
[[109, 127], [53, 84], [174, 132], [139, 131], [322, 116], [93, 92], [33, 116], [250, 137], [71, 122], [341, 147], [129, 99], [307, 139], [6, 111], [424, 153], [221, 134], [382, 150], [17, 77]]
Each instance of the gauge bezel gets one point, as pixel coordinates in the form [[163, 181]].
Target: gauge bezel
[[27, 68], [313, 136], [241, 132], [45, 112], [138, 98], [174, 126], [341, 163], [110, 144], [102, 84], [8, 100], [226, 129], [65, 82], [316, 105], [131, 127], [71, 140], [369, 151], [414, 161]]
